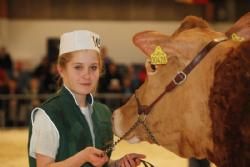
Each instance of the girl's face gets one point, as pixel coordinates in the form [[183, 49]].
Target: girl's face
[[82, 72]]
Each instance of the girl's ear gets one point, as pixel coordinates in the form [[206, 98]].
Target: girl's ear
[[60, 70]]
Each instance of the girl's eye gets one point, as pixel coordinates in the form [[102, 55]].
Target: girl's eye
[[78, 67], [94, 68]]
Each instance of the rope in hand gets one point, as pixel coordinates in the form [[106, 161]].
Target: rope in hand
[[146, 164]]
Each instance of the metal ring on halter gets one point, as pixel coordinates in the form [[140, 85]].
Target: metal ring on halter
[[142, 117]]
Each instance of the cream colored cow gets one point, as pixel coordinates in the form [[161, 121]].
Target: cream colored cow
[[206, 116]]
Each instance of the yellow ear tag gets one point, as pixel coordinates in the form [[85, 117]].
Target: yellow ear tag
[[237, 38], [158, 56]]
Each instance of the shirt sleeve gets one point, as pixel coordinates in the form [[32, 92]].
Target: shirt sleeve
[[45, 137]]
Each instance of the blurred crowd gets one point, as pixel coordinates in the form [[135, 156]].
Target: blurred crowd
[[24, 87]]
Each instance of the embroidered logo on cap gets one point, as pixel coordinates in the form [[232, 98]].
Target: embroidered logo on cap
[[97, 41], [158, 56]]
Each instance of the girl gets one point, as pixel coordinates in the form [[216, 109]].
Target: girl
[[70, 129]]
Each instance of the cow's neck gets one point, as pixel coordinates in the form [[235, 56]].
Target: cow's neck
[[189, 134]]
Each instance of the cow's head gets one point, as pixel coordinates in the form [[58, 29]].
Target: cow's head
[[181, 120]]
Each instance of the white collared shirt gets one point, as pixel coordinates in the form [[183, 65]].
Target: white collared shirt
[[45, 136]]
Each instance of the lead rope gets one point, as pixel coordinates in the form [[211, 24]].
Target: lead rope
[[111, 147], [146, 163], [152, 137], [139, 120]]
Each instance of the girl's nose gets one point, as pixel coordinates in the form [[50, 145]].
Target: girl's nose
[[86, 73]]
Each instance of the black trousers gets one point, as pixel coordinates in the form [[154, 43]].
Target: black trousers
[[193, 162]]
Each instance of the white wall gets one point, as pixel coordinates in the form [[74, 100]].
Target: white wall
[[26, 39], [3, 31]]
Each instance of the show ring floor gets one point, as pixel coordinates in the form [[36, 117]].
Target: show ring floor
[[13, 151]]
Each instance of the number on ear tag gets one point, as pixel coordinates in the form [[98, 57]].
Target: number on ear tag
[[158, 56]]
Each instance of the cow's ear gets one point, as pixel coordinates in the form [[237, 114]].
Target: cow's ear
[[190, 22], [241, 27], [147, 41]]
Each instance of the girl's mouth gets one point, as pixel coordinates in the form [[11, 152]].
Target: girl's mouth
[[85, 84]]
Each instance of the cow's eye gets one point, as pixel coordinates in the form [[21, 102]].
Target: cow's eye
[[153, 67]]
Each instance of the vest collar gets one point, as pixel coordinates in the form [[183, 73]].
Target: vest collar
[[89, 97]]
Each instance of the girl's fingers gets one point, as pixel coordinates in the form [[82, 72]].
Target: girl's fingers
[[137, 161], [137, 156], [130, 160]]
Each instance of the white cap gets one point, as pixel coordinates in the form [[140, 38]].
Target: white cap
[[79, 40]]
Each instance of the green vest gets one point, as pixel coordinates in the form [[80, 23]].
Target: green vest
[[73, 128]]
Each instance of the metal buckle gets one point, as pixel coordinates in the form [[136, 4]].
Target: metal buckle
[[182, 76], [142, 117]]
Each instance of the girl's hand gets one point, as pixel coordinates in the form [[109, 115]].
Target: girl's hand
[[130, 160], [95, 156]]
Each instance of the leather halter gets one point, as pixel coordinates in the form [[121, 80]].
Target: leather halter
[[180, 77]]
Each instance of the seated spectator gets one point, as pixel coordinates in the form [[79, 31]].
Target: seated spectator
[[114, 86], [49, 81], [12, 104], [142, 75], [34, 92], [3, 90], [34, 89], [106, 58], [22, 76], [42, 68], [133, 75], [103, 82], [6, 61], [114, 79]]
